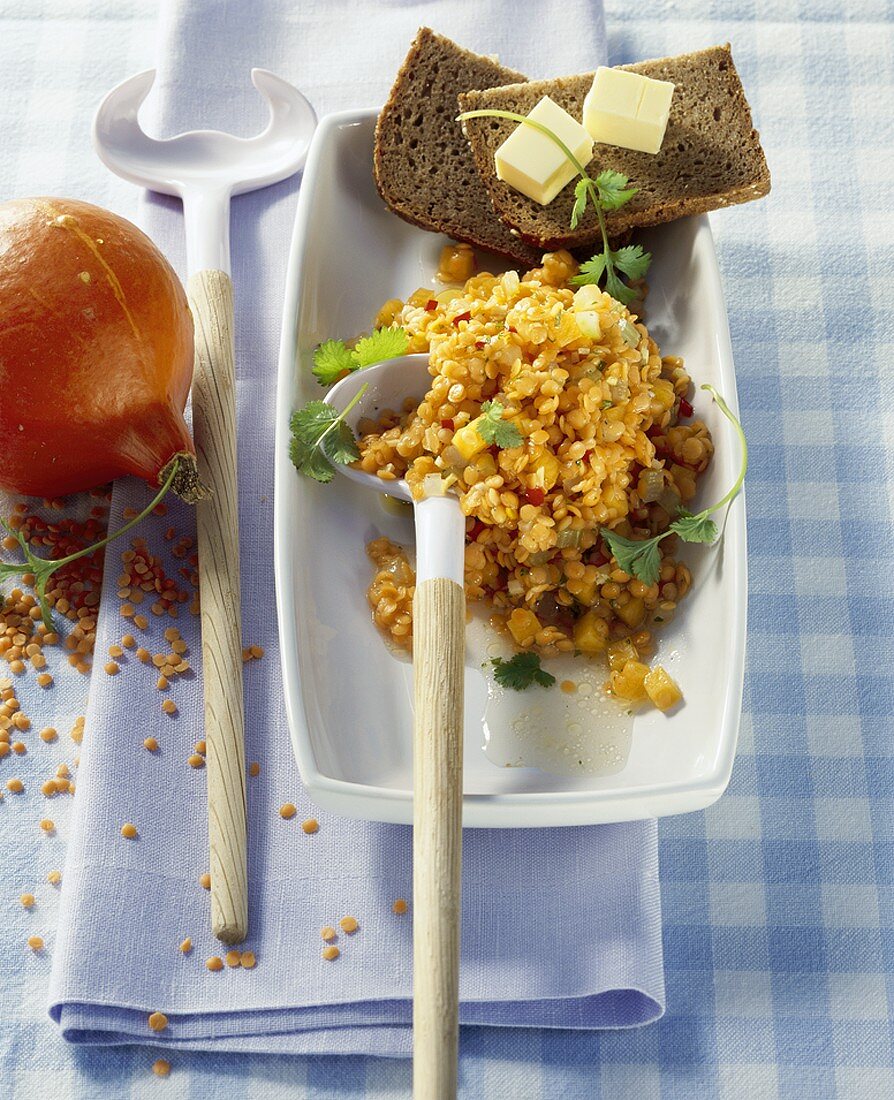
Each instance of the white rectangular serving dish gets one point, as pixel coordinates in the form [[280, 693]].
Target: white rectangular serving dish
[[348, 696]]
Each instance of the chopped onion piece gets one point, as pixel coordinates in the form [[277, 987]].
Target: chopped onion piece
[[651, 485], [588, 323], [433, 485], [569, 537], [629, 333]]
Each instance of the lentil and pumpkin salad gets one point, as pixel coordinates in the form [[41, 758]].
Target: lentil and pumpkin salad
[[573, 448], [601, 436]]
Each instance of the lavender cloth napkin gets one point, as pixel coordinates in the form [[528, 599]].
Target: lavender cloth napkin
[[561, 928]]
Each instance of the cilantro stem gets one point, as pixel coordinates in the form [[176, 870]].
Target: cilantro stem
[[513, 117], [44, 568], [344, 412], [592, 190], [731, 417]]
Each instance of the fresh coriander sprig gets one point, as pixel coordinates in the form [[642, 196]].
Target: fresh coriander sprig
[[44, 568], [321, 440], [608, 191], [640, 557], [521, 671], [333, 359], [494, 429]]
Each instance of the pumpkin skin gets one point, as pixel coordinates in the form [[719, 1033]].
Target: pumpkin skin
[[96, 350]]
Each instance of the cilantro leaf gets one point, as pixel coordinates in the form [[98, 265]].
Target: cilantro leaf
[[639, 558], [332, 360], [632, 260], [613, 189], [690, 528], [617, 288], [590, 271], [384, 343], [521, 671], [494, 429], [580, 202], [321, 439]]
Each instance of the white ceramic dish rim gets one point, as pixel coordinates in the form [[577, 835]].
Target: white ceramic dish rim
[[524, 809]]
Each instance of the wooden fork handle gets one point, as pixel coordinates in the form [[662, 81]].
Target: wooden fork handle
[[214, 427]]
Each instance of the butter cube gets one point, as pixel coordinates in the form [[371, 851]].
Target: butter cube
[[627, 109], [532, 163]]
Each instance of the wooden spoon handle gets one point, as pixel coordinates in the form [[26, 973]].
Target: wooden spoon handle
[[214, 427], [439, 626]]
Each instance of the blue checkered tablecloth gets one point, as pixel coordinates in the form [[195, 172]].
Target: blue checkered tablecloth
[[778, 900]]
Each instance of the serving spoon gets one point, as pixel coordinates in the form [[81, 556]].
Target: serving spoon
[[205, 168], [439, 630]]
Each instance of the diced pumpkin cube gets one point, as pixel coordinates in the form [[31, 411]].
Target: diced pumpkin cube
[[629, 683], [619, 653], [468, 440], [631, 612], [544, 469], [662, 689], [584, 590], [663, 396], [523, 626], [591, 633]]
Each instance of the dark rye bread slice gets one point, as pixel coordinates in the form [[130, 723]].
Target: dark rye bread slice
[[711, 155], [422, 165]]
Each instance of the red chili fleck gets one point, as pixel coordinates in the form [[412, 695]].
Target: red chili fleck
[[448, 424], [511, 328], [476, 529], [467, 316], [587, 454], [599, 557], [685, 408], [535, 496], [431, 305], [480, 343]]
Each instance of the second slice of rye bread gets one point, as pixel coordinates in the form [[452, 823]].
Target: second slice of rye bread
[[422, 164], [711, 155]]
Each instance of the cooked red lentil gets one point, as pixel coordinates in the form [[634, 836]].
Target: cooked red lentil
[[161, 1067], [399, 906], [248, 960], [348, 924], [157, 1021], [311, 825], [35, 943], [328, 933], [128, 830], [214, 963], [331, 952], [288, 810], [605, 441], [186, 946]]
